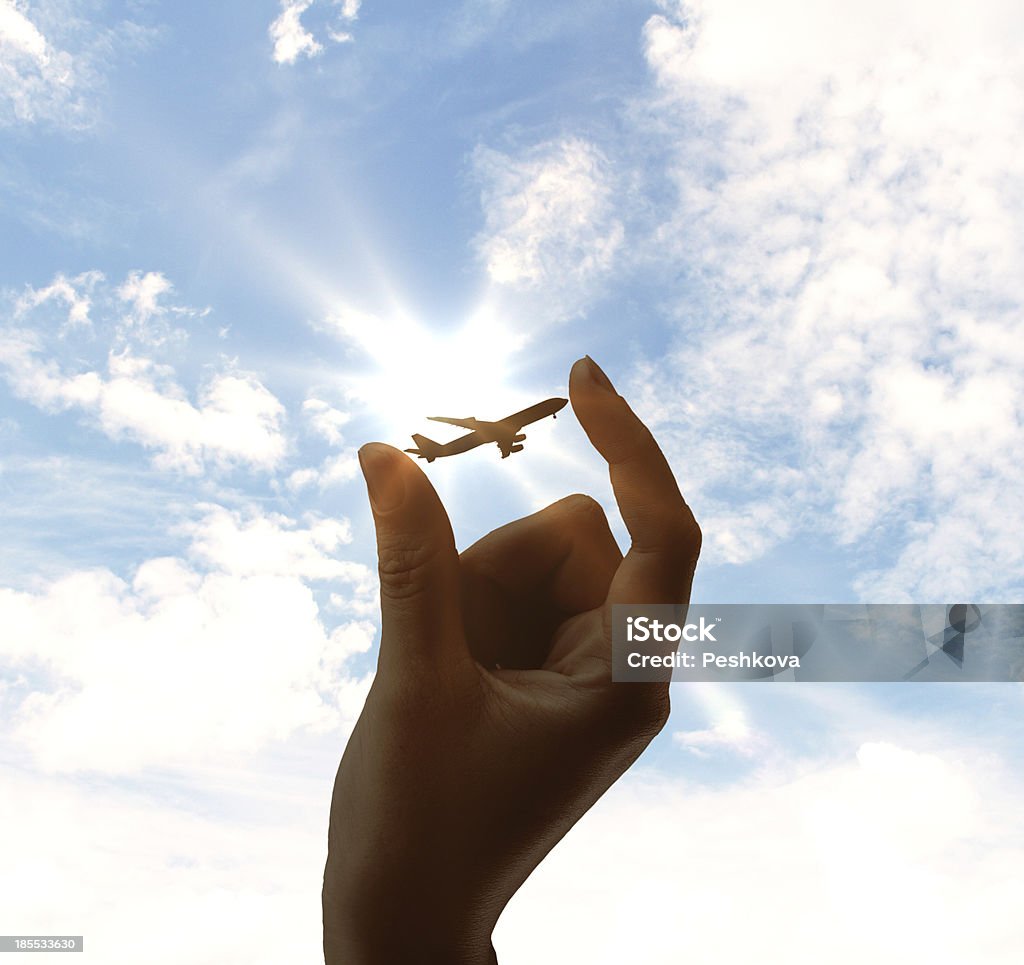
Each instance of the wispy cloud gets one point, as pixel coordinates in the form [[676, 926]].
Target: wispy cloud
[[73, 292], [334, 470], [37, 80], [53, 62], [550, 222], [325, 420], [233, 420], [292, 40]]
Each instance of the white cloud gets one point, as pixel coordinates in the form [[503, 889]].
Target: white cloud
[[271, 545], [53, 61], [774, 869], [848, 218], [325, 420], [234, 420], [334, 470], [142, 292], [18, 32], [292, 40], [73, 292], [198, 657], [37, 80], [549, 220]]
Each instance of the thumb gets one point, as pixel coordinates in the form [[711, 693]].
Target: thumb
[[421, 616]]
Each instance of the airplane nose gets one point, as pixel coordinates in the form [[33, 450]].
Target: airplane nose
[[558, 405]]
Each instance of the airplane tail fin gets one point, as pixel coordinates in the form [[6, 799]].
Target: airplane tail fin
[[427, 448]]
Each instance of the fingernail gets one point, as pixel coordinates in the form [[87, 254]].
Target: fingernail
[[597, 376], [383, 476]]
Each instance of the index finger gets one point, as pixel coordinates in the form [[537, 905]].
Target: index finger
[[665, 538]]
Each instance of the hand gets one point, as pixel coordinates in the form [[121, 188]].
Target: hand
[[492, 724]]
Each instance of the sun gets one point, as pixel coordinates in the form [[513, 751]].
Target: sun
[[415, 372]]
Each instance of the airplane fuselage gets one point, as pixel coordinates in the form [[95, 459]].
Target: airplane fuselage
[[488, 431]]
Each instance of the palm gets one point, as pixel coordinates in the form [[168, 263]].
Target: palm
[[532, 591]]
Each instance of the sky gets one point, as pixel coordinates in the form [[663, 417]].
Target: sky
[[238, 240]]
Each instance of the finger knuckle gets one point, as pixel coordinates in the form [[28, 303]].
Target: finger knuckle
[[643, 437], [696, 538], [582, 507], [404, 568], [689, 536], [681, 534], [641, 710], [653, 710], [637, 444]]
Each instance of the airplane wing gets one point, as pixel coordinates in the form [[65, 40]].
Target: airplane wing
[[463, 423]]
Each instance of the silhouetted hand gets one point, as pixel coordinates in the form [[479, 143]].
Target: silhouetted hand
[[493, 723]]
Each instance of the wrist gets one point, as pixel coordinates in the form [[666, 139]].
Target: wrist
[[361, 928], [404, 949]]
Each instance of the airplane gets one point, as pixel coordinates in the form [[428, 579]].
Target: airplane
[[505, 432]]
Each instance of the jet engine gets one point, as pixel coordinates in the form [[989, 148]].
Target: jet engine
[[516, 448], [519, 438]]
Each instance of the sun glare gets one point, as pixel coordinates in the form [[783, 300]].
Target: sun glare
[[419, 372]]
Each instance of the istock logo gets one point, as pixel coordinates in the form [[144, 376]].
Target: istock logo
[[642, 629]]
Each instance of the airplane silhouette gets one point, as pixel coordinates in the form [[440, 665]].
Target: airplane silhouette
[[505, 432]]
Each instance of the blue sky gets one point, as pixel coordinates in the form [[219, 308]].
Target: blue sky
[[241, 239]]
